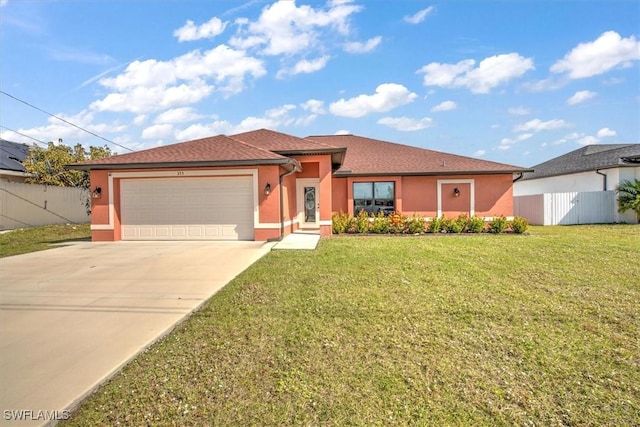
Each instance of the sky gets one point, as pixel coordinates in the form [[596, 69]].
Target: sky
[[517, 82]]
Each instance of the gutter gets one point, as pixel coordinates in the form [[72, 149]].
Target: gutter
[[604, 179], [520, 176]]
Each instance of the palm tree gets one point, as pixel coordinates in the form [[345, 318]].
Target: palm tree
[[629, 196]]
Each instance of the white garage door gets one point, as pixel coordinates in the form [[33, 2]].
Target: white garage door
[[218, 208]]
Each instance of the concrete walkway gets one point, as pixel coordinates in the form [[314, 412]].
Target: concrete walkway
[[70, 317], [299, 240]]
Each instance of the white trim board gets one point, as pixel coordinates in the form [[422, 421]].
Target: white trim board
[[472, 196]]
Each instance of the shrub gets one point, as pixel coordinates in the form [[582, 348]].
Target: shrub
[[397, 222], [435, 225], [379, 224], [415, 225], [361, 222], [475, 224], [339, 222], [519, 225], [498, 224], [459, 224], [445, 224]]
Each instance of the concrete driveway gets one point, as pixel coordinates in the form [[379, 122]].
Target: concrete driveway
[[72, 316]]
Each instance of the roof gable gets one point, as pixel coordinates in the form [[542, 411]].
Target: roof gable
[[216, 149], [280, 142], [584, 159], [366, 156]]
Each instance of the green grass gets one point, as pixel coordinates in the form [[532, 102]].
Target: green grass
[[537, 329], [26, 240]]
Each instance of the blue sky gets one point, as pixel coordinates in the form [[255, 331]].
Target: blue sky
[[517, 82]]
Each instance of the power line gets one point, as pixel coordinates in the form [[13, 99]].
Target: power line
[[65, 121], [25, 135]]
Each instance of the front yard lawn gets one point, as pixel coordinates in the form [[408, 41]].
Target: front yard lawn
[[538, 329], [24, 240]]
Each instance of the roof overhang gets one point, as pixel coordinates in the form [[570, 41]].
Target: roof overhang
[[9, 172], [337, 154], [621, 165], [284, 162], [346, 174]]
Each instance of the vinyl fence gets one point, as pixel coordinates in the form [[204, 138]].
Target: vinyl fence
[[590, 207], [29, 205]]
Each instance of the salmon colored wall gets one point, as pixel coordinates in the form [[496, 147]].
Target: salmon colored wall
[[290, 202], [339, 200], [309, 169], [269, 206], [453, 206], [418, 194], [318, 166], [100, 207]]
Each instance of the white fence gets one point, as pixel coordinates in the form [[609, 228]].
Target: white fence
[[589, 207], [30, 205]]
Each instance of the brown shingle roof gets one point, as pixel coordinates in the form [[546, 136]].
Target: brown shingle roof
[[216, 149], [281, 142], [366, 156]]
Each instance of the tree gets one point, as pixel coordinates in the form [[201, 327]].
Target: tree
[[629, 196], [47, 165]]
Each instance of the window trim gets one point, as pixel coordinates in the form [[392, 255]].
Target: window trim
[[373, 196]]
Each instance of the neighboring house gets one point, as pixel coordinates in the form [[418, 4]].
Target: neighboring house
[[593, 168], [262, 185], [12, 154]]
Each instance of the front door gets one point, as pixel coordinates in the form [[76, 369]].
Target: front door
[[308, 203]]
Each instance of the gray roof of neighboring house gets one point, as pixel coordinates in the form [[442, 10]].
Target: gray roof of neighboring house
[[588, 158], [12, 154]]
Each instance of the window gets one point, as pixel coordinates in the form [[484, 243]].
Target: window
[[374, 197]]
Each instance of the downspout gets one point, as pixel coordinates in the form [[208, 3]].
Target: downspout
[[520, 176], [280, 181], [604, 179]]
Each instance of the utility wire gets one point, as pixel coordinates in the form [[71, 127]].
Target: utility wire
[[65, 121], [25, 135]]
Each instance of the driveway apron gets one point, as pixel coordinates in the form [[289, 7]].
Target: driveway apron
[[71, 317]]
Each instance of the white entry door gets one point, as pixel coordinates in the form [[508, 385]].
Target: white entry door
[[308, 202]]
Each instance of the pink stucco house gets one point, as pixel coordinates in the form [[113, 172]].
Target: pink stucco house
[[262, 185]]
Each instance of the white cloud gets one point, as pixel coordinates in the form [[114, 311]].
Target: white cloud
[[506, 143], [406, 124], [605, 132], [419, 16], [140, 119], [580, 96], [190, 31], [537, 125], [152, 85], [387, 97], [285, 28], [314, 105], [445, 106], [3, 3], [519, 111], [480, 153], [490, 72], [178, 115], [158, 131], [305, 66], [588, 140], [342, 132], [362, 47], [607, 52], [199, 130]]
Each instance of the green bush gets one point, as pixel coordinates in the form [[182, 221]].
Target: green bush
[[435, 225], [415, 225], [459, 224], [361, 222], [340, 222], [519, 225], [498, 224], [445, 224], [380, 224], [475, 224]]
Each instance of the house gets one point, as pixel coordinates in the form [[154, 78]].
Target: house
[[12, 154], [590, 169], [262, 185]]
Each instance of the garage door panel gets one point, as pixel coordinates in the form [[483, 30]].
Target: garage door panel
[[218, 208]]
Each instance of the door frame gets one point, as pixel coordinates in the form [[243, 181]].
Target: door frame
[[472, 196], [300, 184]]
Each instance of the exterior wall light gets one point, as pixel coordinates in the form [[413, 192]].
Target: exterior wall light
[[96, 193], [456, 192], [267, 189]]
